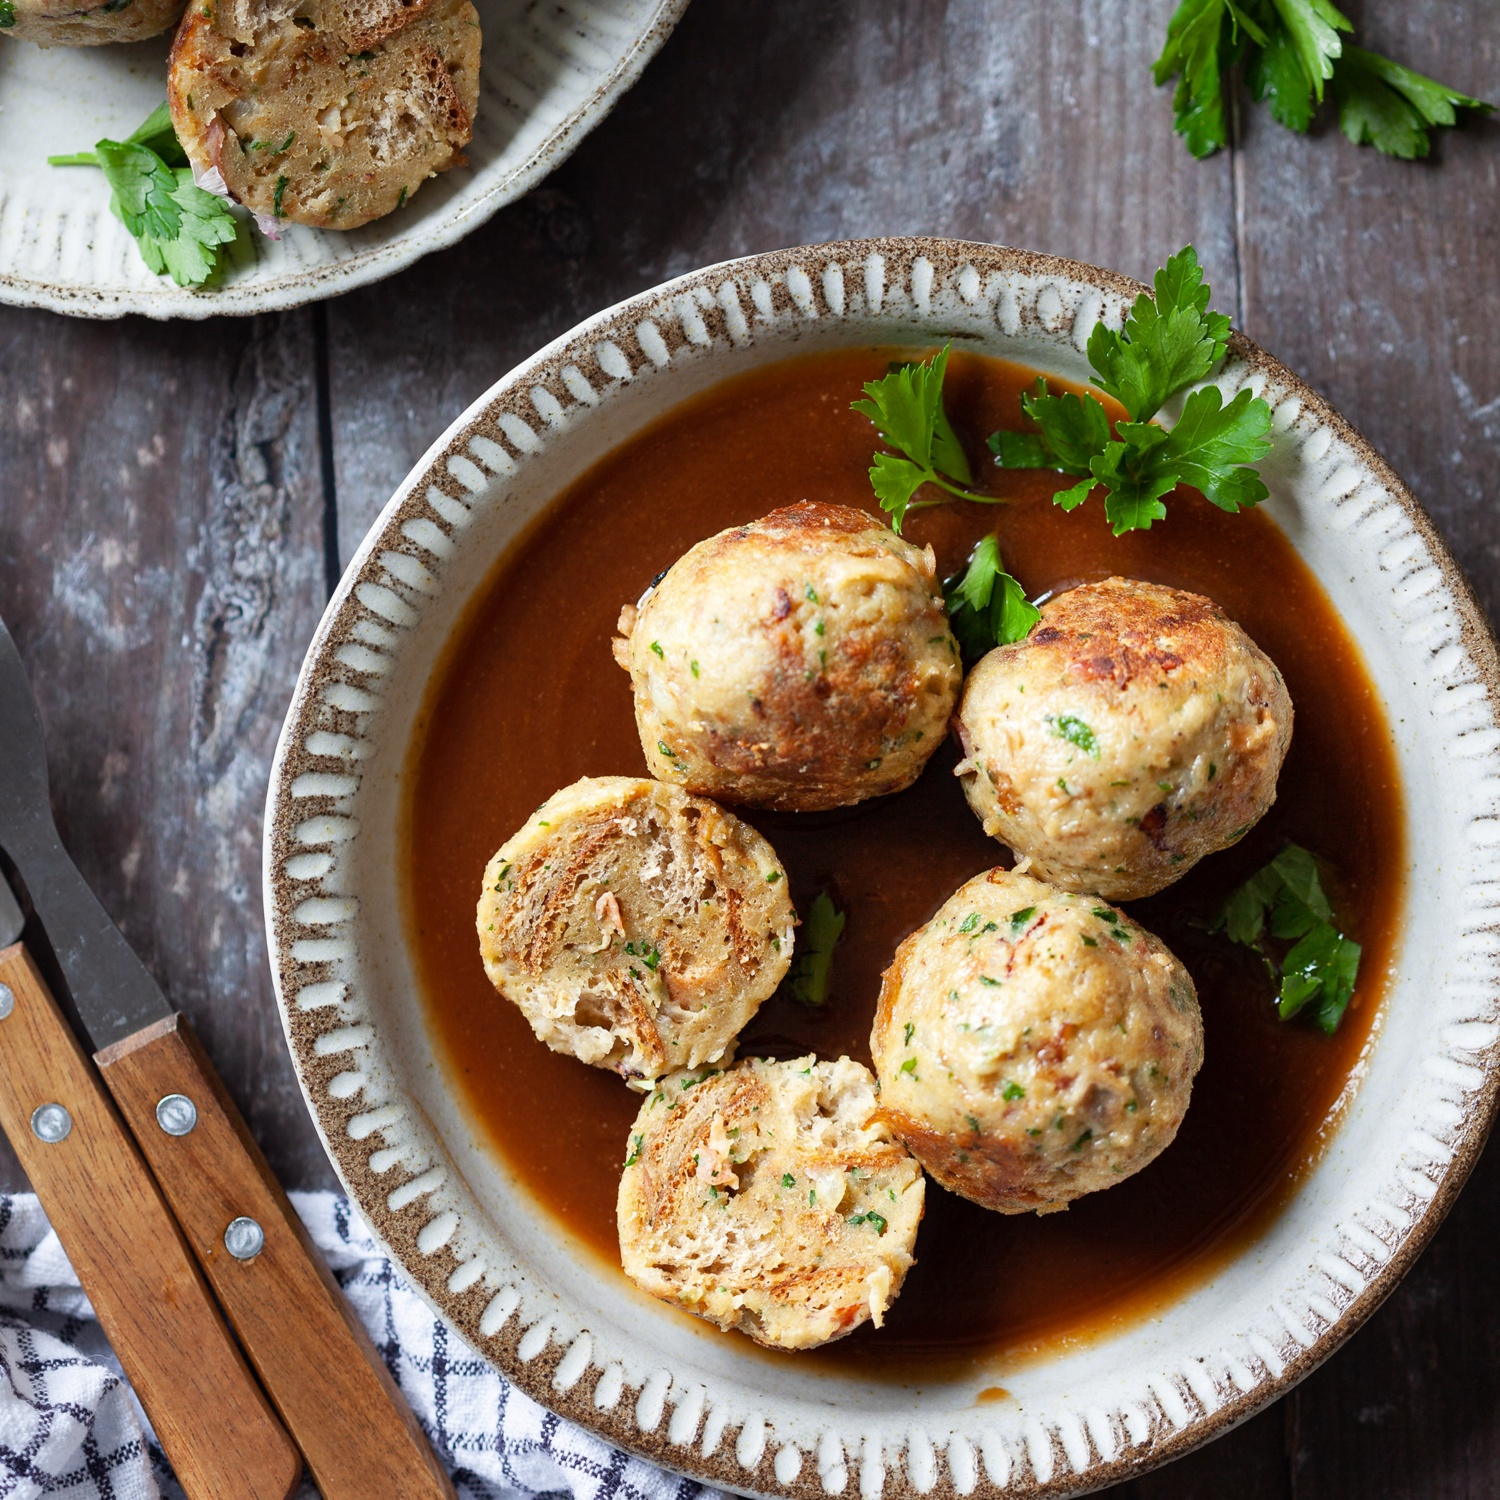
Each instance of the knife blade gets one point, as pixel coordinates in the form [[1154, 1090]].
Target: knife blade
[[12, 919], [109, 986], [313, 1356]]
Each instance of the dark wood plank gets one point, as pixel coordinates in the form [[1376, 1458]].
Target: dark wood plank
[[161, 569], [1380, 282], [766, 125]]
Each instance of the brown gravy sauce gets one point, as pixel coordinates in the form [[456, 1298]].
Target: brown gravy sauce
[[529, 699]]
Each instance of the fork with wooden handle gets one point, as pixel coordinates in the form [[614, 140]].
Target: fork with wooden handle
[[315, 1362]]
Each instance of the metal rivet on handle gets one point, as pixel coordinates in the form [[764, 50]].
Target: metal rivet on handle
[[244, 1239], [51, 1123], [176, 1114], [7, 1000]]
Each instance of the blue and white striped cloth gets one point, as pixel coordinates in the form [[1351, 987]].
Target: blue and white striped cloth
[[70, 1426]]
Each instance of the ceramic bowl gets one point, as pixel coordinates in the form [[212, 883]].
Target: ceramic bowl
[[549, 74], [497, 1267]]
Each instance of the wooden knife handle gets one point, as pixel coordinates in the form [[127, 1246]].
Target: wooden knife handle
[[333, 1391], [213, 1420]]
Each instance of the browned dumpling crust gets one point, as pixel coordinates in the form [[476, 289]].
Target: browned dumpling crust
[[636, 928], [66, 23], [800, 662], [325, 113], [1034, 1045], [1134, 731], [771, 1199]]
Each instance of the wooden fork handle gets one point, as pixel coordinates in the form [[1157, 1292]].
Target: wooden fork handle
[[313, 1356], [213, 1420]]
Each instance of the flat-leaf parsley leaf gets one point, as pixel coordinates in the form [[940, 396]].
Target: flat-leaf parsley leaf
[[1289, 52], [1169, 342], [178, 227], [986, 606], [906, 407], [822, 927], [1285, 901]]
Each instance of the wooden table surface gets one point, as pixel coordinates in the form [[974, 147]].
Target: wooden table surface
[[176, 500]]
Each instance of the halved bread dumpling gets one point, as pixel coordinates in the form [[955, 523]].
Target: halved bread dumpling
[[325, 113], [66, 23], [636, 927], [770, 1198]]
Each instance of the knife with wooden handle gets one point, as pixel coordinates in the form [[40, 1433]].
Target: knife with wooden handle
[[213, 1420], [320, 1370], [356, 1432]]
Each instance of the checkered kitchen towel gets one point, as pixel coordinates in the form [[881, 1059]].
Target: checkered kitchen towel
[[70, 1426]]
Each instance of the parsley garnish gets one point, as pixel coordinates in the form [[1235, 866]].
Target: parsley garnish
[[986, 606], [1287, 897], [821, 930], [1074, 731], [1012, 1090], [635, 1151], [906, 407], [787, 1180], [1169, 342], [178, 227], [7, 14], [869, 1216], [1288, 51], [1018, 919]]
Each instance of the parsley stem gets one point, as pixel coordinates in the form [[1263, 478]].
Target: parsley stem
[[78, 159], [962, 494]]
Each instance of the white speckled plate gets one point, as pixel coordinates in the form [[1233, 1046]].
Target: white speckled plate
[[467, 1233], [550, 72]]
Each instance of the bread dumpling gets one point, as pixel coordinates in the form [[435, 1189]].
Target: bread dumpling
[[325, 112], [771, 1199], [636, 928], [66, 23], [800, 662], [1134, 731], [1034, 1045]]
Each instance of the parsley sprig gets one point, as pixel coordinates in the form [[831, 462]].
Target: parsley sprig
[[1290, 52], [1166, 345], [986, 606], [821, 929], [906, 407], [181, 229], [1286, 901]]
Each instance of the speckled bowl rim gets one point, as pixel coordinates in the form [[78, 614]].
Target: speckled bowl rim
[[636, 337], [437, 231]]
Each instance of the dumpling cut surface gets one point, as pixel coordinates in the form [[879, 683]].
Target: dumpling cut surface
[[770, 1198], [800, 662], [325, 113], [1034, 1045], [1134, 731], [66, 23], [637, 928]]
